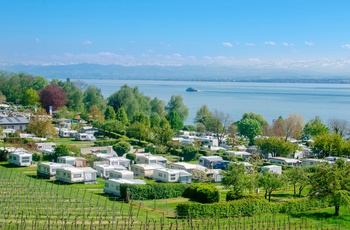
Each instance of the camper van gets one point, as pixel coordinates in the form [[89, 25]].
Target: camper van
[[171, 175], [272, 168], [103, 170], [112, 186], [20, 158], [76, 175], [119, 161], [48, 169], [121, 174]]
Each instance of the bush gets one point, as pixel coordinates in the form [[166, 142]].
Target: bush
[[232, 195], [105, 143], [36, 157], [202, 193], [302, 205], [3, 155], [131, 156]]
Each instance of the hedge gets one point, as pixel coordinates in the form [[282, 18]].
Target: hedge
[[302, 205], [247, 207], [243, 207], [152, 191]]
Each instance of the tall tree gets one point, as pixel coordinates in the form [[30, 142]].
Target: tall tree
[[109, 113], [250, 128], [93, 96], [219, 124], [202, 114], [329, 144], [175, 121], [177, 105], [332, 182], [293, 126], [95, 113], [258, 117], [163, 133], [339, 126], [53, 96], [30, 97], [315, 127], [122, 116], [74, 95]]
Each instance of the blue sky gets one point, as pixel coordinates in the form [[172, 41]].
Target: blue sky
[[276, 33]]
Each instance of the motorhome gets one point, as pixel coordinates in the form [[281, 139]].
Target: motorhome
[[123, 174], [171, 175], [147, 158], [272, 168], [112, 186], [20, 158], [103, 170], [76, 175], [209, 161], [144, 170], [285, 161], [48, 169]]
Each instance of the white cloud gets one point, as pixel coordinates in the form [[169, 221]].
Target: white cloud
[[287, 44], [227, 44], [309, 43], [270, 43], [255, 60], [346, 46], [37, 40], [250, 44], [87, 43]]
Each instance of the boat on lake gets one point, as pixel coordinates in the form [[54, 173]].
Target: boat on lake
[[190, 89]]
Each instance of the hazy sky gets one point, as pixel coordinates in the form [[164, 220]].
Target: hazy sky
[[282, 33]]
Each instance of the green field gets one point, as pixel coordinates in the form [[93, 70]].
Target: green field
[[28, 202]]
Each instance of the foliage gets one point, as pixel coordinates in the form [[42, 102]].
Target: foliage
[[163, 133], [293, 126], [30, 97], [74, 95], [250, 128], [298, 177], [189, 152], [95, 113], [237, 179], [53, 96], [314, 127], [327, 144], [3, 155], [121, 148], [276, 146], [36, 157], [109, 113], [93, 97], [130, 156], [270, 182], [332, 182], [258, 117], [175, 121], [105, 142], [176, 105], [202, 193], [302, 205], [122, 116], [138, 130], [41, 125], [242, 207], [152, 191]]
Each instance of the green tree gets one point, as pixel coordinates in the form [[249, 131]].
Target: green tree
[[175, 121], [30, 97], [258, 117], [163, 133], [61, 150], [74, 95], [297, 176], [189, 152], [121, 148], [270, 182], [177, 105], [138, 130], [332, 182], [202, 113], [95, 113], [293, 126], [93, 96], [250, 128], [157, 106], [314, 127], [329, 144], [276, 146], [236, 179], [109, 113], [122, 116]]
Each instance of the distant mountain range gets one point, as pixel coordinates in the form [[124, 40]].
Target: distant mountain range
[[181, 73]]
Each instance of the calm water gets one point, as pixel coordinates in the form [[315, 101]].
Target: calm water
[[269, 99]]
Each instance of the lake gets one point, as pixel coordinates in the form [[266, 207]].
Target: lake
[[235, 98]]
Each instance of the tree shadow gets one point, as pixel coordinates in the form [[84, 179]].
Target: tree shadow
[[313, 215]]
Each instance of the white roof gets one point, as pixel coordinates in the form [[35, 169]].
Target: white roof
[[148, 167], [21, 154], [186, 165], [127, 181], [288, 160]]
